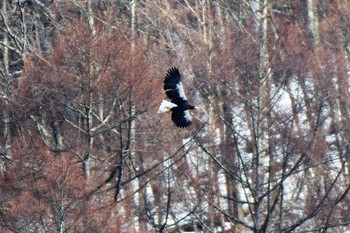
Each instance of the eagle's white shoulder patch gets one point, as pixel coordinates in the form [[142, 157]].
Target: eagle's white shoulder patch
[[180, 90], [187, 115]]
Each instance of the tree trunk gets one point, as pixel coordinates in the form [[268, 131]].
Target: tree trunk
[[91, 16], [258, 117], [5, 96], [312, 20]]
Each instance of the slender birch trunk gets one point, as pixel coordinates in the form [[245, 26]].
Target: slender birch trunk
[[5, 96], [91, 17], [312, 20]]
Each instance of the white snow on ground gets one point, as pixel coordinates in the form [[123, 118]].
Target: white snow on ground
[[284, 102]]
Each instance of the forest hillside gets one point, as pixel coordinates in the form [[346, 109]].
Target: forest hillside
[[83, 149]]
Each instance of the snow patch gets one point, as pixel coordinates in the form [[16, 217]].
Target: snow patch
[[284, 102]]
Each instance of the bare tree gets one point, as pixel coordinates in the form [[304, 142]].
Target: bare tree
[[81, 84]]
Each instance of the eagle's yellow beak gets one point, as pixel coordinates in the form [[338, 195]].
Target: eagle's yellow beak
[[197, 108]]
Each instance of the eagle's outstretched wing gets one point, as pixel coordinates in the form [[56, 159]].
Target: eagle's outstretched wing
[[181, 118], [173, 87]]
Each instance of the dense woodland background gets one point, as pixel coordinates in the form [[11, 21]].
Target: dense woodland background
[[82, 148]]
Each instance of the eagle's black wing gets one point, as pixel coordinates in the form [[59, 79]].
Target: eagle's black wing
[[173, 87], [181, 118]]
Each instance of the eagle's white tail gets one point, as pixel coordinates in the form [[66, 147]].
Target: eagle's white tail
[[165, 106]]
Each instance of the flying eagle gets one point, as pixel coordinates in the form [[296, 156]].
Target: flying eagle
[[179, 106]]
